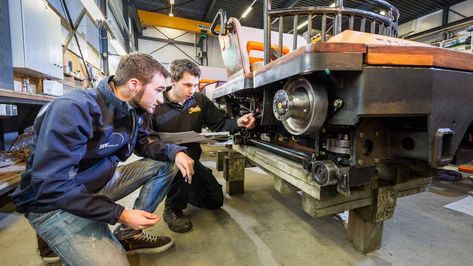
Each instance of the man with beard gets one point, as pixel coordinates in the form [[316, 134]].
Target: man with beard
[[71, 182]]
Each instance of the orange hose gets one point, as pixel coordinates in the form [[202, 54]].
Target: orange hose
[[259, 46]]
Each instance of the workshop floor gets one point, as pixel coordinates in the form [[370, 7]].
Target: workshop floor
[[263, 227]]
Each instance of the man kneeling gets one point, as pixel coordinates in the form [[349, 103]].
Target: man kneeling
[[71, 182]]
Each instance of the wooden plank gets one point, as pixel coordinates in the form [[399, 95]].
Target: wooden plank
[[289, 170], [418, 56], [349, 36], [327, 47], [313, 206], [25, 96]]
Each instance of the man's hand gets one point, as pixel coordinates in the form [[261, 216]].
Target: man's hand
[[185, 165], [246, 121], [138, 219]]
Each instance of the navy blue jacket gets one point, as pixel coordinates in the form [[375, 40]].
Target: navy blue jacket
[[196, 112], [78, 141]]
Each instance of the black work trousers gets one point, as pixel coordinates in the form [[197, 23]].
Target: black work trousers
[[203, 192]]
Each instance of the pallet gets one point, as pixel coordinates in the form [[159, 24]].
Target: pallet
[[369, 207]]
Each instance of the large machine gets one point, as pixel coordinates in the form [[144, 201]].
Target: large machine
[[353, 108]]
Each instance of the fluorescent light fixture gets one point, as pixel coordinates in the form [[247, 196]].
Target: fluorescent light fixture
[[382, 13], [332, 5], [303, 24], [247, 11], [117, 46]]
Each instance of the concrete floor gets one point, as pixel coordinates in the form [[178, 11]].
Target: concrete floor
[[263, 227]]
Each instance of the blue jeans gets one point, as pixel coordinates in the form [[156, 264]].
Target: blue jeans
[[81, 241]]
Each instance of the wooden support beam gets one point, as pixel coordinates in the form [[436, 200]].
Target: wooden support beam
[[234, 173], [281, 186], [365, 235], [220, 159]]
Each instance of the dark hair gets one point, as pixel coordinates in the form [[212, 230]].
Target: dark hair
[[140, 66], [178, 67]]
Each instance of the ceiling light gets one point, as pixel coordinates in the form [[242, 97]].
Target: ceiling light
[[303, 24], [382, 13], [247, 11], [332, 5]]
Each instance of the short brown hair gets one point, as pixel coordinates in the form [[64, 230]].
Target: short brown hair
[[180, 66], [140, 66]]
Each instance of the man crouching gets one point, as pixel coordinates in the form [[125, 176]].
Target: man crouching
[[71, 182]]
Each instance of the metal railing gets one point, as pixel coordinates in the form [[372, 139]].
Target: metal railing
[[385, 22]]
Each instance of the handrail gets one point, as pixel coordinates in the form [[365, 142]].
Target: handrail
[[385, 22]]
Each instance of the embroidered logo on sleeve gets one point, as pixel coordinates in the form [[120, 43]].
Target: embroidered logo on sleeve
[[194, 109], [116, 139]]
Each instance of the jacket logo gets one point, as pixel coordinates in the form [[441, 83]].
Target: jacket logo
[[194, 109], [116, 139]]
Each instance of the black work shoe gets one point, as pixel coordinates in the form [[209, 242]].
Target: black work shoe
[[143, 243], [47, 255], [177, 221]]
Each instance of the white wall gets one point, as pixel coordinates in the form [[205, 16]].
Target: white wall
[[169, 53]]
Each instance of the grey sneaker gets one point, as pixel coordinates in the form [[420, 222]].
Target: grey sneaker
[[143, 243], [177, 221]]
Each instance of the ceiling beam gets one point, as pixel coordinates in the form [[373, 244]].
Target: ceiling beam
[[161, 20], [170, 41], [291, 3], [209, 9], [135, 18]]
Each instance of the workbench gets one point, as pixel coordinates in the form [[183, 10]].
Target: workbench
[[368, 206]]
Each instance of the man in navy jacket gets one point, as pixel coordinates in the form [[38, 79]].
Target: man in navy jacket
[[71, 182]]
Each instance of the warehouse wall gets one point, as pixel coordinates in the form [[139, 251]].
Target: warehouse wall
[[434, 20], [167, 54]]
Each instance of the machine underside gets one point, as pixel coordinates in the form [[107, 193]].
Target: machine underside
[[354, 108]]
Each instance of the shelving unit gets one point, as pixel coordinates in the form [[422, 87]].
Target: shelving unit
[[29, 104], [8, 96]]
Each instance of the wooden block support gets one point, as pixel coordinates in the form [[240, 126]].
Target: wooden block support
[[234, 173], [220, 158], [365, 235], [317, 208], [282, 186]]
